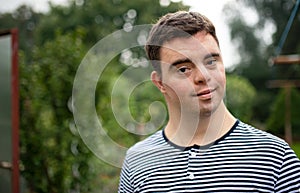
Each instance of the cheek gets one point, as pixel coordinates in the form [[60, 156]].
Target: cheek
[[221, 77], [177, 88]]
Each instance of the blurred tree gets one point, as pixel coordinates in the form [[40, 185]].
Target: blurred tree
[[26, 20], [240, 95], [276, 121], [256, 35], [53, 155], [101, 18]]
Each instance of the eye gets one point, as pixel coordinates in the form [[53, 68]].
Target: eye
[[184, 70], [211, 62]]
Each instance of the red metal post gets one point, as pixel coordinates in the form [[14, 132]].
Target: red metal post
[[15, 113]]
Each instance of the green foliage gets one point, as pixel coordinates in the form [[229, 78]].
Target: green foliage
[[100, 18], [25, 20], [278, 12], [296, 148], [135, 105], [240, 96], [275, 122], [254, 63], [256, 45], [53, 156]]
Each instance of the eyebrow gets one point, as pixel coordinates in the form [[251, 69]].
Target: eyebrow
[[211, 55], [180, 61]]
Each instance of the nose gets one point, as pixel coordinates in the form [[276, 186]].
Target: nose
[[200, 76]]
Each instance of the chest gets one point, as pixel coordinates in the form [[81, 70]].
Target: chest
[[196, 170]]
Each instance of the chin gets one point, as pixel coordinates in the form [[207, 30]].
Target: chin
[[208, 110], [206, 113], [202, 112]]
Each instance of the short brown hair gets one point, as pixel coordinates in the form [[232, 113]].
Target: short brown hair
[[174, 25]]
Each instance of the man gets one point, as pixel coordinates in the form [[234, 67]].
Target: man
[[203, 147]]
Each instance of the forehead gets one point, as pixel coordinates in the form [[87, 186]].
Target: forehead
[[197, 45]]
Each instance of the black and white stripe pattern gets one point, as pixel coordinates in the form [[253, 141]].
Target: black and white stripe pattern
[[244, 160]]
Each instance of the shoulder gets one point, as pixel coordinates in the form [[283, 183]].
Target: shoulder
[[151, 144], [252, 133], [246, 137]]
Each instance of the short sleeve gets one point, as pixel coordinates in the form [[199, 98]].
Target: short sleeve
[[289, 174], [125, 185]]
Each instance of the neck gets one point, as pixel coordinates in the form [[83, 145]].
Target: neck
[[190, 129]]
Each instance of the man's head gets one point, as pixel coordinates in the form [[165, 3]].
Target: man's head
[[175, 25], [188, 66]]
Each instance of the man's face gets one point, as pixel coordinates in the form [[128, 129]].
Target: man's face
[[192, 74]]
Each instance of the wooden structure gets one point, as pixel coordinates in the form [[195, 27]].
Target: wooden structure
[[286, 85]]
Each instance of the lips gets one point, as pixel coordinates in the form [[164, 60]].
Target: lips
[[205, 94]]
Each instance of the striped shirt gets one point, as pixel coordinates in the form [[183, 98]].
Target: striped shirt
[[245, 159]]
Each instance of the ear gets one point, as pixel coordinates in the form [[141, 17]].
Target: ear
[[157, 81]]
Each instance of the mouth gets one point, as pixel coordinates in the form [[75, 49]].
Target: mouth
[[205, 94]]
